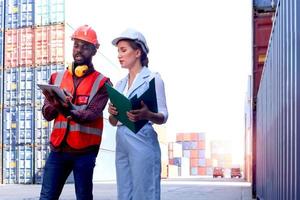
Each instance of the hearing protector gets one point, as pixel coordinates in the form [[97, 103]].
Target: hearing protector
[[79, 70]]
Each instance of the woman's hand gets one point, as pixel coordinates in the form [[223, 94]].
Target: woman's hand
[[111, 109], [139, 114], [113, 112]]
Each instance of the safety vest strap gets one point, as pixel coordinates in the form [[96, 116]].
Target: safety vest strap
[[59, 77], [93, 92], [79, 128]]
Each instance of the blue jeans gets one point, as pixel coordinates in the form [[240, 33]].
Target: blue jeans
[[58, 167]]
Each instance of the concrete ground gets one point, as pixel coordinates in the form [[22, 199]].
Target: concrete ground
[[172, 189]]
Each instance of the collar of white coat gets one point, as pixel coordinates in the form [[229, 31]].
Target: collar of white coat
[[143, 77]]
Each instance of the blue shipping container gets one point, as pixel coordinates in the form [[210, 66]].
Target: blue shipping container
[[19, 13], [265, 4], [277, 110], [1, 14]]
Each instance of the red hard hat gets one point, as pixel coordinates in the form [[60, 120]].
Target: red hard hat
[[86, 33]]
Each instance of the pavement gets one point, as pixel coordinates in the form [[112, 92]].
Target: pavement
[[171, 189]]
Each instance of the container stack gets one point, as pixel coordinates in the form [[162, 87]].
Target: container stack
[[34, 48], [193, 148], [1, 85], [263, 13], [178, 165]]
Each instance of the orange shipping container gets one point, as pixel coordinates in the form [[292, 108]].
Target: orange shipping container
[[179, 137], [57, 42], [11, 48], [187, 137], [194, 162], [49, 44], [41, 46], [194, 137], [201, 144], [201, 171], [194, 154], [26, 38]]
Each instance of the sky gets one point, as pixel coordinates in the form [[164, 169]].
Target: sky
[[202, 49]]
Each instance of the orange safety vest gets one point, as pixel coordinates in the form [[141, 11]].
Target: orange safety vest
[[78, 136]]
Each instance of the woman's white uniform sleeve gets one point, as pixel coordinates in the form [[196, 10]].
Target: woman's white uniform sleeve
[[161, 97]]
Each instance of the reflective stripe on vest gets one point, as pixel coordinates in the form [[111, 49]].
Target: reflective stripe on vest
[[93, 92], [77, 127], [78, 136]]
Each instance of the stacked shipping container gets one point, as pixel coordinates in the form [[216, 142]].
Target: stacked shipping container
[[33, 48], [193, 147]]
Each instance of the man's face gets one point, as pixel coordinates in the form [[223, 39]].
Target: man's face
[[83, 52]]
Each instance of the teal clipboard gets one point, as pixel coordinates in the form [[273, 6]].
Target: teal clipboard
[[123, 104]]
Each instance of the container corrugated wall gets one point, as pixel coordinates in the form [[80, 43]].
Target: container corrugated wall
[[34, 42], [278, 100]]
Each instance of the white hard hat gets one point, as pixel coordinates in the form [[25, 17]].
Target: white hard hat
[[134, 35]]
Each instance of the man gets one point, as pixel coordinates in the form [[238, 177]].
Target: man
[[78, 125]]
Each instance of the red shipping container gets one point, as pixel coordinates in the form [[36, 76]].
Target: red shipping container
[[194, 137], [201, 144], [171, 161], [262, 30], [179, 137], [26, 39], [11, 48], [57, 43], [201, 171], [41, 45], [194, 154], [170, 154], [194, 162]]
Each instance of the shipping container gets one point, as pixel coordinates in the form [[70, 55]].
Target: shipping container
[[56, 43], [31, 47], [248, 132], [277, 110], [2, 15], [25, 46], [49, 12], [19, 13], [11, 48], [49, 44], [262, 25], [18, 86], [18, 161], [18, 122], [265, 5]]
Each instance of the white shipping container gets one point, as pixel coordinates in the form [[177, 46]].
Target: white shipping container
[[185, 167], [49, 12], [173, 171]]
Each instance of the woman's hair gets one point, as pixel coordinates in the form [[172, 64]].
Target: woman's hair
[[144, 57]]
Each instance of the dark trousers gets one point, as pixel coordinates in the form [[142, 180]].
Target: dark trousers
[[58, 167]]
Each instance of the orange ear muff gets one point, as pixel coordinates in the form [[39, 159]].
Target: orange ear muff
[[79, 70]]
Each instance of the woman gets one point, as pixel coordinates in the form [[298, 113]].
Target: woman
[[138, 159]]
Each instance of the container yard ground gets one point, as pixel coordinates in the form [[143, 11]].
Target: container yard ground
[[172, 189]]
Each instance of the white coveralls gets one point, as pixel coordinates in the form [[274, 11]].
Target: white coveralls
[[138, 157]]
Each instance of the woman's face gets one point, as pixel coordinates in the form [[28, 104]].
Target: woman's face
[[127, 56]]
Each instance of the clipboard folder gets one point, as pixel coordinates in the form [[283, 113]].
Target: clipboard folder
[[123, 104]]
